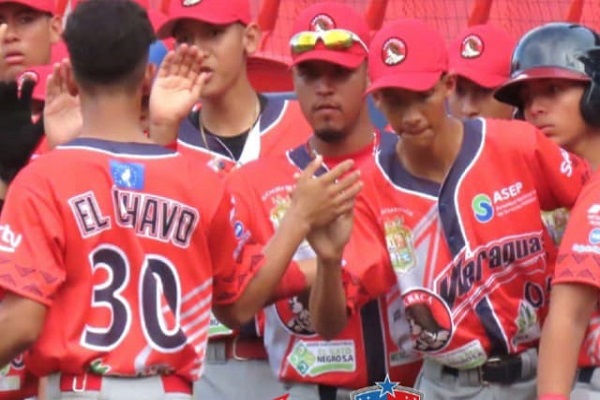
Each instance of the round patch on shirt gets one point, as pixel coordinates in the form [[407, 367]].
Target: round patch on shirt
[[429, 318]]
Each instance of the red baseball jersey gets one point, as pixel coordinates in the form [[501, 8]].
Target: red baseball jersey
[[579, 257], [281, 126], [362, 352], [127, 256], [471, 256]]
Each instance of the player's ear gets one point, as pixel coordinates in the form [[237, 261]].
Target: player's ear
[[71, 83], [148, 79], [377, 99], [56, 28], [448, 82], [251, 38]]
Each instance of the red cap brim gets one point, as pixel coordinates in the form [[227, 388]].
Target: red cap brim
[[414, 81], [482, 78], [344, 58]]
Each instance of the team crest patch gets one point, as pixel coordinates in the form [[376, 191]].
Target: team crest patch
[[399, 243], [190, 3], [322, 22], [471, 47], [429, 318], [393, 51], [386, 390]]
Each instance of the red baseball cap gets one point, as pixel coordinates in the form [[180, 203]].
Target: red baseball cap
[[327, 16], [46, 6], [407, 54], [482, 54], [217, 12]]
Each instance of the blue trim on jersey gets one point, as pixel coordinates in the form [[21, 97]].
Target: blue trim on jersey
[[472, 140], [301, 158], [493, 330], [373, 341], [397, 174], [142, 149], [189, 133]]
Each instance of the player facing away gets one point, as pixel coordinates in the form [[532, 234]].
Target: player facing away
[[124, 258], [329, 48], [232, 125], [454, 210], [558, 91], [480, 61]]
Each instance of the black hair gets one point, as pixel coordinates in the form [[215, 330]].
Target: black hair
[[108, 43]]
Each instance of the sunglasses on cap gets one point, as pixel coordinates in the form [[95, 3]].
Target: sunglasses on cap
[[333, 39]]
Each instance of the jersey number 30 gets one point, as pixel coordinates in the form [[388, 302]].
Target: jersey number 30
[[157, 276]]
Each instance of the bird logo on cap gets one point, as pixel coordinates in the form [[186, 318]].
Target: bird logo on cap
[[472, 47], [190, 3], [394, 51], [322, 23]]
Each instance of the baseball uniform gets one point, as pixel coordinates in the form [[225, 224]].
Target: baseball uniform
[[127, 258], [363, 352], [471, 256]]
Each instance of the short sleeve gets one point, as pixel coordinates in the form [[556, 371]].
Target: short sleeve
[[578, 259], [31, 239]]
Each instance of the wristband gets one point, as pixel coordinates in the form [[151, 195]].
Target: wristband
[[553, 397]]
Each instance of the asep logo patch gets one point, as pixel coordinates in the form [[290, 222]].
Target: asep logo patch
[[483, 209]]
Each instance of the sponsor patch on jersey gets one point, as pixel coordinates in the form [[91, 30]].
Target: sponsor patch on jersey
[[127, 175], [323, 357], [593, 215], [469, 356], [9, 240], [501, 202], [216, 328], [400, 246], [386, 390], [528, 326], [594, 236]]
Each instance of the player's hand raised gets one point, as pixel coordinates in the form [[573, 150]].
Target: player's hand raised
[[176, 89], [319, 200], [62, 110]]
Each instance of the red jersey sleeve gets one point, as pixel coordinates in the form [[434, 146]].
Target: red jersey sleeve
[[31, 239], [559, 175], [230, 273], [253, 235], [368, 273], [578, 260]]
